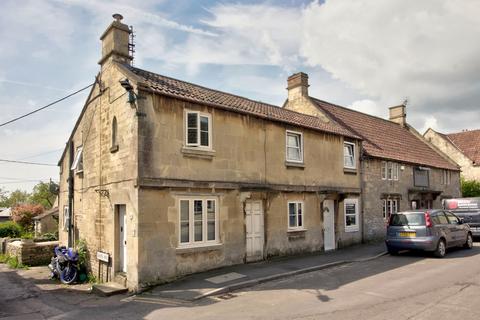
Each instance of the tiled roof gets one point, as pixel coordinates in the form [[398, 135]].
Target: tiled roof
[[198, 94], [385, 139], [468, 142]]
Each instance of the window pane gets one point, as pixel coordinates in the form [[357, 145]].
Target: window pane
[[204, 138], [350, 220], [384, 170], [184, 210], [292, 215], [293, 154], [211, 230], [211, 220], [204, 131], [293, 140], [350, 208], [184, 232], [192, 128], [198, 219]]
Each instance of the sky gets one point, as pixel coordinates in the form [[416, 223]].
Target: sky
[[367, 55]]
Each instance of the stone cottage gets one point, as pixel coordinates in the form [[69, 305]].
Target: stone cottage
[[462, 147], [164, 178], [400, 170]]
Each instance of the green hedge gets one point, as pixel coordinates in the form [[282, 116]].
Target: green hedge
[[10, 229]]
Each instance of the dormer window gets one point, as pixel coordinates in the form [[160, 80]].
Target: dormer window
[[198, 130], [77, 164]]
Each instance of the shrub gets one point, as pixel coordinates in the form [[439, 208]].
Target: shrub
[[82, 251], [10, 229], [12, 262], [23, 214], [470, 188]]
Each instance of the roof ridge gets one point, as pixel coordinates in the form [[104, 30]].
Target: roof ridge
[[264, 104], [210, 89], [353, 110], [462, 132]]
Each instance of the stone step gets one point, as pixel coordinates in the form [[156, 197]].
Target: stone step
[[108, 289], [120, 278]]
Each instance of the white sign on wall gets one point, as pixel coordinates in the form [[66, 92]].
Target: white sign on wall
[[103, 256]]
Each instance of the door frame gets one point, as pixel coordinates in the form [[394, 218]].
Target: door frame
[[326, 210], [251, 258], [120, 251]]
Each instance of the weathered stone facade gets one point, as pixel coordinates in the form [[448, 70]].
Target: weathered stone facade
[[31, 253], [470, 170], [375, 190], [149, 169]]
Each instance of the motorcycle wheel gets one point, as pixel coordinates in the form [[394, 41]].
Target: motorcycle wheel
[[69, 274]]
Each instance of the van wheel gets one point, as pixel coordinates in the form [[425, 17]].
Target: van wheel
[[441, 249], [469, 243]]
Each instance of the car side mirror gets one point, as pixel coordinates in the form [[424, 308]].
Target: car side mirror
[[460, 221]]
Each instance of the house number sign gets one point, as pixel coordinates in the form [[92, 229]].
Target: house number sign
[[103, 256]]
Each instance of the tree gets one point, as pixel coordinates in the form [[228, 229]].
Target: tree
[[14, 198], [44, 193], [3, 197], [470, 188], [23, 214]]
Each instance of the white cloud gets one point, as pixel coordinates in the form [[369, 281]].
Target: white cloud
[[370, 107], [430, 122]]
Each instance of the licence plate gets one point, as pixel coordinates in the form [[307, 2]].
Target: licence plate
[[407, 234]]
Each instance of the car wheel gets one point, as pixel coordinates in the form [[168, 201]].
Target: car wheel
[[469, 243], [392, 251], [441, 249]]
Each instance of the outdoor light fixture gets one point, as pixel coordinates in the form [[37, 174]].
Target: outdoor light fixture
[[129, 88]]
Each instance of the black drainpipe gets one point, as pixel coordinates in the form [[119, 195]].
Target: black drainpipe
[[70, 196]]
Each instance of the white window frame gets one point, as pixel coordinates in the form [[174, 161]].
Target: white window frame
[[297, 227], [191, 227], [77, 163], [197, 144], [354, 155], [296, 133], [386, 165], [446, 177], [390, 206], [66, 219], [352, 228]]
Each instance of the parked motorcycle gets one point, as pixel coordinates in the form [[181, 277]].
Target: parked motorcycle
[[64, 264]]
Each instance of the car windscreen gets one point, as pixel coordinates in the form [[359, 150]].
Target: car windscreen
[[410, 219]]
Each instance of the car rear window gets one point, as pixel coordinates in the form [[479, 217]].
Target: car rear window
[[411, 219]]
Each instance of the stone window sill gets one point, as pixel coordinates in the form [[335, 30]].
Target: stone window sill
[[349, 170], [291, 164], [205, 248], [198, 153], [296, 234], [114, 149]]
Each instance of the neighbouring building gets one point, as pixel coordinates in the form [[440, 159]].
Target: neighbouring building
[[400, 169], [46, 222], [164, 178], [5, 214], [462, 147]]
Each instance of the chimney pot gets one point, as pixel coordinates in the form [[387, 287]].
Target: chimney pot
[[118, 17]]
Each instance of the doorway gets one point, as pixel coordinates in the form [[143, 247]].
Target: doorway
[[254, 230], [329, 225], [122, 238]]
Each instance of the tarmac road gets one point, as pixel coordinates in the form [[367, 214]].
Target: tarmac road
[[409, 286]]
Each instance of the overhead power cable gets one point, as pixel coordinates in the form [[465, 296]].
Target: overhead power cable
[[26, 162], [46, 106]]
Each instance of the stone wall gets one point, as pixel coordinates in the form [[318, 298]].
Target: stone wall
[[469, 171], [375, 190], [31, 253]]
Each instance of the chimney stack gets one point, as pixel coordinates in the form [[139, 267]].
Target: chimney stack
[[298, 98], [115, 42], [398, 115]]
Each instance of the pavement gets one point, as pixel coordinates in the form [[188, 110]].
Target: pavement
[[220, 281]]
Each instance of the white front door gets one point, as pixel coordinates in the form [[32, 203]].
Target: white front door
[[329, 224], [122, 238], [255, 232]]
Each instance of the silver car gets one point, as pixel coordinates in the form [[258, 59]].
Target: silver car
[[429, 230]]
